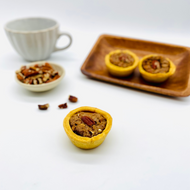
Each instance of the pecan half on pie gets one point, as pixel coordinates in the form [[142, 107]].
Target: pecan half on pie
[[87, 127], [87, 124], [121, 63], [155, 68]]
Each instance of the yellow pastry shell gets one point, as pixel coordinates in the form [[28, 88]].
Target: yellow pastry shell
[[86, 142], [121, 71], [158, 77]]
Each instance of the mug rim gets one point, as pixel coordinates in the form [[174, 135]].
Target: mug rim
[[33, 31]]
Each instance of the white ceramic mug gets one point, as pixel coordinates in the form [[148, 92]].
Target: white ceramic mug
[[35, 38]]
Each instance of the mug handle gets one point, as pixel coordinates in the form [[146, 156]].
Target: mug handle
[[63, 34]]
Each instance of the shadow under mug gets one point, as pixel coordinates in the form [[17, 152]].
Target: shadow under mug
[[35, 38]]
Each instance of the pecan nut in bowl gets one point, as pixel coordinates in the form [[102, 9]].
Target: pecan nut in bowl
[[40, 76], [156, 69], [87, 127], [121, 63]]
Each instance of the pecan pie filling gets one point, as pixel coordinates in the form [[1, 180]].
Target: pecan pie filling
[[87, 124], [122, 59], [156, 64]]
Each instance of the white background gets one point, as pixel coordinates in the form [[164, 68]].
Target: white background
[[148, 147]]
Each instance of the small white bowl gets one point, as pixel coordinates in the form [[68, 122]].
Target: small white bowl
[[45, 86]]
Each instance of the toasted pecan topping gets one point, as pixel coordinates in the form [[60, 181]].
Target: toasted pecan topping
[[87, 120]]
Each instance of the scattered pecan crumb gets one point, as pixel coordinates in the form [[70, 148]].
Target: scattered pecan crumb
[[87, 120], [62, 106], [43, 107], [73, 99]]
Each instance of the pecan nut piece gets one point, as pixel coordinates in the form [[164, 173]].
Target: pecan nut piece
[[53, 79], [155, 64], [73, 99], [23, 68], [48, 65], [62, 106], [28, 72], [88, 121], [20, 76], [43, 107]]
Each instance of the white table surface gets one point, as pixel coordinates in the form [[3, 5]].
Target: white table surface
[[148, 147]]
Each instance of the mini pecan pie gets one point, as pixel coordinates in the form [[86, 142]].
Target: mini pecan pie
[[154, 68], [121, 63], [87, 127]]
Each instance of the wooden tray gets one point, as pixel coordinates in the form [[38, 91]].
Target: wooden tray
[[177, 85]]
